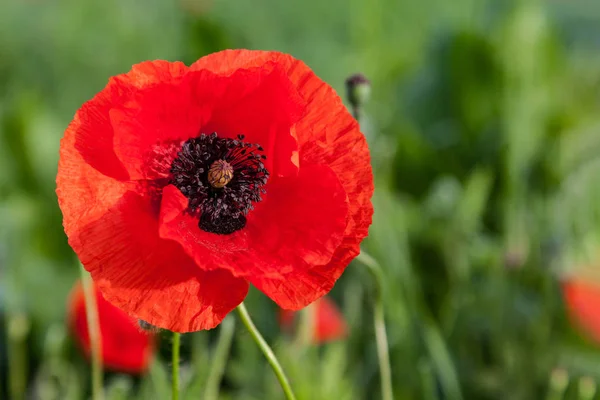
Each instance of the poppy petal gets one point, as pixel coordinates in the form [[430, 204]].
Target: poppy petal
[[261, 106], [308, 213], [582, 299], [166, 113], [264, 115], [151, 278], [84, 193], [93, 129], [330, 321]]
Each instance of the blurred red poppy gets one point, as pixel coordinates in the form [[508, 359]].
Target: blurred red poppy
[[180, 185], [582, 299], [328, 323], [125, 347]]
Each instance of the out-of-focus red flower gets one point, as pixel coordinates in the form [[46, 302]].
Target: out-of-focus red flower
[[125, 347], [328, 324], [181, 185], [582, 299]]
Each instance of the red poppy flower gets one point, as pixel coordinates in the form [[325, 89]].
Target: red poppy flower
[[181, 185], [328, 324], [125, 347], [582, 298]]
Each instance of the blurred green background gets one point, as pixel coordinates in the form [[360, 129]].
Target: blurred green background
[[484, 127]]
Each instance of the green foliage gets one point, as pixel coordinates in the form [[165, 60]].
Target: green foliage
[[483, 125]]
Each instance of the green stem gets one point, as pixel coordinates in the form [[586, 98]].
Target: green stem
[[559, 382], [379, 323], [264, 347], [306, 327], [587, 388], [18, 330], [356, 113], [91, 312], [219, 359], [175, 366]]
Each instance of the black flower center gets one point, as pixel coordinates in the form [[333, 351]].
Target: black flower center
[[222, 179]]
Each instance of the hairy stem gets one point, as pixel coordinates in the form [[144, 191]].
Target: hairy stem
[[175, 366], [219, 359], [379, 323]]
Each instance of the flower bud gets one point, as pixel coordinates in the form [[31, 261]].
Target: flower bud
[[19, 326], [587, 388], [559, 381], [358, 89]]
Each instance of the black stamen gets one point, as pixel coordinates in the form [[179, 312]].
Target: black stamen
[[221, 210]]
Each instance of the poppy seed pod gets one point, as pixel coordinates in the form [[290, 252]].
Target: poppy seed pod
[[358, 89]]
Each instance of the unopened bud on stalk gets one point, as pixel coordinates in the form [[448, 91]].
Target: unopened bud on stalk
[[514, 259], [559, 380], [587, 388], [358, 90], [18, 326]]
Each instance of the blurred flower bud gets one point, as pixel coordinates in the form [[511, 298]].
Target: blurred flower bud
[[196, 7], [514, 259], [559, 380], [358, 90], [18, 326], [587, 388]]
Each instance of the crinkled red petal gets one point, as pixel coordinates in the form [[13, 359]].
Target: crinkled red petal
[[152, 278], [260, 105], [94, 136], [263, 105]]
